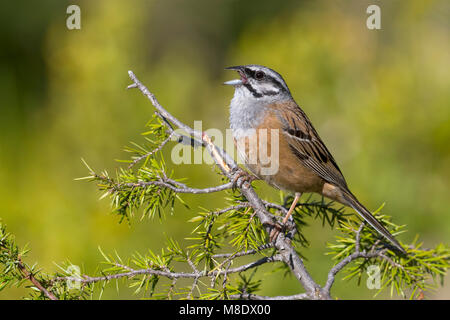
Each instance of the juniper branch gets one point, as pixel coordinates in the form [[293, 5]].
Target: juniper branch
[[30, 276], [243, 253], [170, 274], [184, 189], [148, 154], [380, 254], [251, 296], [27, 273]]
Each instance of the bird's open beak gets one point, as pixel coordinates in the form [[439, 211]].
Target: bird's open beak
[[237, 82]]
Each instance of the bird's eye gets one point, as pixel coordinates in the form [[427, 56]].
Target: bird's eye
[[259, 75]]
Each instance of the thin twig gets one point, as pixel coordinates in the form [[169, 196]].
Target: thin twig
[[358, 237], [29, 275], [148, 154], [170, 274], [243, 253], [251, 296], [186, 189], [194, 284]]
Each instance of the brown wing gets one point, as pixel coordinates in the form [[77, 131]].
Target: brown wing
[[306, 144], [313, 154]]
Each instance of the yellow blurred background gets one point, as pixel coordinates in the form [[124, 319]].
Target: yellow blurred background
[[379, 98]]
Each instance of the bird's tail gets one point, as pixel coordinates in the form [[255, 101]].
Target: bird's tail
[[366, 215]]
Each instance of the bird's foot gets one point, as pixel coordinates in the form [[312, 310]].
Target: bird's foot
[[241, 177], [277, 228], [289, 229], [288, 221]]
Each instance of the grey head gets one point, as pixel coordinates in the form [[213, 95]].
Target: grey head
[[257, 87], [259, 84]]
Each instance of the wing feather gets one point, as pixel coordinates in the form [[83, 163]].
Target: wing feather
[[306, 144]]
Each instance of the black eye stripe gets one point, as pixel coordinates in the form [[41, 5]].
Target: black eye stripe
[[258, 74], [276, 83], [271, 93], [269, 75], [250, 72], [266, 77]]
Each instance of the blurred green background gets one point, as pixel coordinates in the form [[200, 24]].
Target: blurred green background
[[379, 98]]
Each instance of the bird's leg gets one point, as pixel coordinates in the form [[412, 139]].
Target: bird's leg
[[276, 230], [293, 205]]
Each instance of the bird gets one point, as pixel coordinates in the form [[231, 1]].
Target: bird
[[263, 114]]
